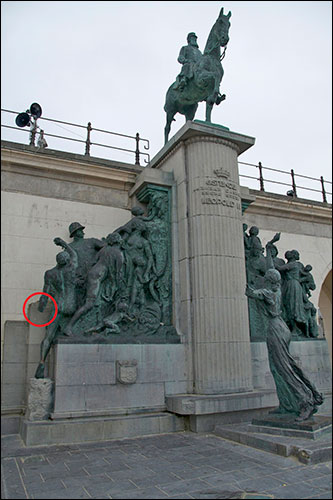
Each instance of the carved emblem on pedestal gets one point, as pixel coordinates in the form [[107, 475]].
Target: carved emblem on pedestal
[[127, 371], [220, 172]]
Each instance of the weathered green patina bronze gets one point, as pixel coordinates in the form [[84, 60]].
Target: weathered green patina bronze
[[296, 284], [201, 75], [60, 283], [117, 289], [297, 396]]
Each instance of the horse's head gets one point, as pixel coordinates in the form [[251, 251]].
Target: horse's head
[[224, 24], [219, 34]]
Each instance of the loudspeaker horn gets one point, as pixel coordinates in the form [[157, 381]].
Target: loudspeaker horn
[[36, 110], [22, 120]]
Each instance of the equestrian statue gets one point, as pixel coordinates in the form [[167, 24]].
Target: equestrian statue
[[201, 75]]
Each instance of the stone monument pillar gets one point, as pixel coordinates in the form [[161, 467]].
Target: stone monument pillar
[[210, 304]]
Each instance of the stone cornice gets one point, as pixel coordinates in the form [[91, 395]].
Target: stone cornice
[[217, 140], [170, 153], [283, 206], [67, 168], [203, 130], [192, 140]]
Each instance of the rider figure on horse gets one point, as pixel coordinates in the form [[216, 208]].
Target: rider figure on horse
[[188, 56]]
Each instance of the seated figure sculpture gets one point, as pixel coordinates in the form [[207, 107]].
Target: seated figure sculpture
[[188, 56]]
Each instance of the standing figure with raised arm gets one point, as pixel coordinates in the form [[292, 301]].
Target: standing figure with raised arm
[[60, 283]]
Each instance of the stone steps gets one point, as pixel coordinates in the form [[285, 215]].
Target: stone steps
[[81, 430], [304, 449]]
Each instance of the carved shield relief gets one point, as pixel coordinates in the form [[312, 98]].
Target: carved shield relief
[[127, 371]]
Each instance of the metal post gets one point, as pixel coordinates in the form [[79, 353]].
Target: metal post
[[137, 152], [33, 132], [323, 189], [261, 178], [89, 129], [293, 182]]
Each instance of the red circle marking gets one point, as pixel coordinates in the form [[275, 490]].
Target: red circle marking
[[55, 306]]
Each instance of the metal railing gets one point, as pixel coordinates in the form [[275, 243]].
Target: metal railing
[[259, 177], [88, 143], [291, 184]]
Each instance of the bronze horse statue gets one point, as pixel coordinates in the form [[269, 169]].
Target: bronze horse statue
[[204, 85]]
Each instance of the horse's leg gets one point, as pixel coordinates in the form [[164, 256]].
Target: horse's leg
[[168, 126], [209, 107], [190, 112]]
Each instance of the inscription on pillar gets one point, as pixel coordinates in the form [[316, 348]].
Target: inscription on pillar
[[220, 190]]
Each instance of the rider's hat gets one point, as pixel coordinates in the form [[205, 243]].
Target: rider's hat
[[74, 226], [190, 35]]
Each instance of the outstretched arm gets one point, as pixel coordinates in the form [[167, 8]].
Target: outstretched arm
[[269, 245], [253, 293], [72, 253], [99, 243]]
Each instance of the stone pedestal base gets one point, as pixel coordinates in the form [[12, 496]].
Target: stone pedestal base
[[95, 380], [285, 425], [83, 430], [207, 411]]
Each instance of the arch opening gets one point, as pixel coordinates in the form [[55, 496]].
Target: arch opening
[[325, 310]]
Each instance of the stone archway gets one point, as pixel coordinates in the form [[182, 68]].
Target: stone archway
[[325, 306]]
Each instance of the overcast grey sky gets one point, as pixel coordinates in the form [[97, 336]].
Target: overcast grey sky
[[112, 62]]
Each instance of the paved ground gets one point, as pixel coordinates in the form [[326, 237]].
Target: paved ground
[[180, 465]]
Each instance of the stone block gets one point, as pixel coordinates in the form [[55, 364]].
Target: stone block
[[69, 398], [16, 332], [13, 372], [131, 427], [14, 352], [40, 399], [178, 387], [10, 424], [78, 432], [171, 423], [13, 395], [98, 429], [85, 374], [196, 404], [33, 353], [33, 434], [78, 353]]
